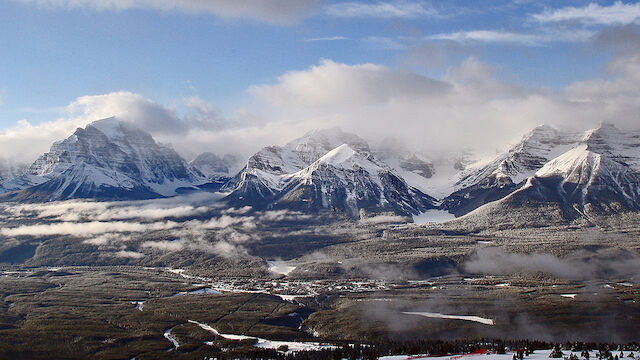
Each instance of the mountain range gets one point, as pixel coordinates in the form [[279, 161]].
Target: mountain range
[[578, 174]]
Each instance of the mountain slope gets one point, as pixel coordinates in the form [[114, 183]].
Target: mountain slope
[[484, 183], [108, 159], [595, 179]]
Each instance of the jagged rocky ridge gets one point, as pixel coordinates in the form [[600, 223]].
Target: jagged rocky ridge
[[107, 160], [324, 169], [577, 174]]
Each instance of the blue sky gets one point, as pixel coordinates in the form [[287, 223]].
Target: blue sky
[[56, 51]]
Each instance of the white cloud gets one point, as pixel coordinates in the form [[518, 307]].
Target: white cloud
[[469, 107], [377, 102], [331, 83], [229, 250], [382, 219], [149, 212], [505, 37], [326, 38], [85, 228], [164, 245], [128, 254], [193, 132], [270, 11], [381, 9], [106, 239], [617, 13], [384, 43], [224, 221], [76, 210], [283, 215]]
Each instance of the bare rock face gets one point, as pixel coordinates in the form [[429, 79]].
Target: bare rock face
[[108, 159]]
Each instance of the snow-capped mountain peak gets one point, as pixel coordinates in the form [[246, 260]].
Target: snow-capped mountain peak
[[339, 156], [108, 159], [324, 169]]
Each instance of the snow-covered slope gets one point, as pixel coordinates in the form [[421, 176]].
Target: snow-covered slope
[[599, 176], [589, 178], [108, 159], [214, 167], [261, 179], [435, 175], [324, 169], [10, 170], [217, 170], [348, 180], [484, 182]]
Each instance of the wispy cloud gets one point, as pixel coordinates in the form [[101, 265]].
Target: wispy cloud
[[618, 13], [270, 11], [381, 9], [86, 228], [328, 38], [128, 254], [506, 37], [384, 43]]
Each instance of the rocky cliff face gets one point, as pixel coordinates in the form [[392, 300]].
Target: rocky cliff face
[[108, 159]]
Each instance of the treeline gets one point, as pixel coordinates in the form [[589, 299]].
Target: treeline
[[429, 347]]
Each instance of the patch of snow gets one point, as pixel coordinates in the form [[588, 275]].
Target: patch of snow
[[139, 304], [176, 271], [204, 291], [433, 216], [167, 335], [280, 267], [455, 317], [570, 296], [537, 355], [292, 346], [290, 298]]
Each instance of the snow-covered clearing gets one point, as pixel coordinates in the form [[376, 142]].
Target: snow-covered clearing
[[268, 344], [454, 317]]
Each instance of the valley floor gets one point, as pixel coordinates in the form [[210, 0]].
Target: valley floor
[[142, 312]]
